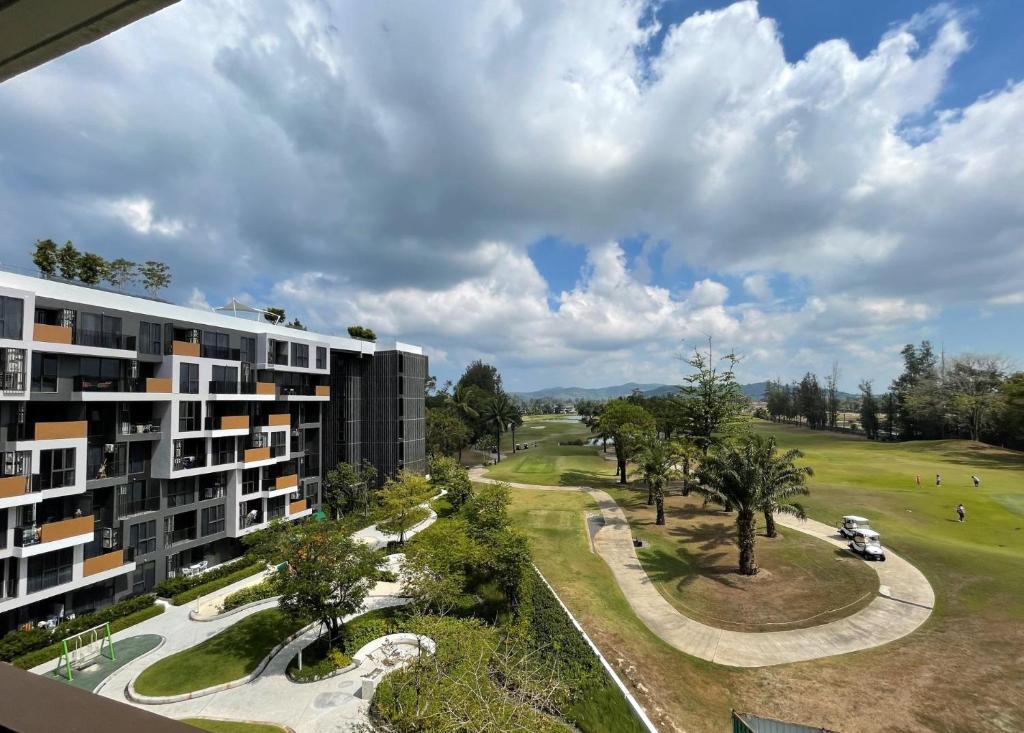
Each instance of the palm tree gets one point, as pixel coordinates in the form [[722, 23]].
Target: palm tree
[[658, 462], [516, 422], [752, 478], [497, 414], [462, 400]]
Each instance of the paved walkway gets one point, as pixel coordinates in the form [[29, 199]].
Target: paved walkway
[[904, 602], [378, 540]]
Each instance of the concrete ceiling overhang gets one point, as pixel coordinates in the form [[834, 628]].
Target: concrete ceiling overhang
[[33, 32]]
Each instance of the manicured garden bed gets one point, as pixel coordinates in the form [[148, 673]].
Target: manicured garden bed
[[230, 655], [232, 726]]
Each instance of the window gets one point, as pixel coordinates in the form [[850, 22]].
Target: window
[[137, 454], [190, 416], [57, 468], [311, 491], [224, 450], [188, 378], [181, 492], [300, 355], [215, 345], [96, 329], [321, 357], [50, 569], [277, 352], [150, 341], [225, 380], [137, 497], [277, 446], [213, 520], [212, 487], [98, 375], [142, 537], [248, 350], [144, 576], [12, 312], [44, 372]]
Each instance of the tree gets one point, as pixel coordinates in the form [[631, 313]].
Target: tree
[[155, 276], [868, 410], [711, 401], [362, 333], [783, 480], [297, 324], [448, 473], [45, 257], [67, 261], [741, 476], [658, 463], [400, 499], [273, 314], [832, 395], [504, 551], [346, 485], [1012, 414], [328, 577], [516, 422], [975, 398], [91, 268], [483, 376], [446, 433], [497, 415], [622, 421], [918, 393], [121, 273], [434, 571]]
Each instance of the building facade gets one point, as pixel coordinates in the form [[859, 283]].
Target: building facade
[[141, 439]]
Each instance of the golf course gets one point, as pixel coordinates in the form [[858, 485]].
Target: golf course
[[959, 671]]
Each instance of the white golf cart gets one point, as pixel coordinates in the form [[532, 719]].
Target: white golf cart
[[865, 543], [850, 524]]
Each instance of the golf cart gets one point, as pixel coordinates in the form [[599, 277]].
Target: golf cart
[[850, 524], [866, 544]]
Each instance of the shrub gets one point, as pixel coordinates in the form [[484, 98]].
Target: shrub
[[258, 592], [216, 584], [317, 662], [18, 643], [385, 576], [574, 441], [53, 651], [173, 586]]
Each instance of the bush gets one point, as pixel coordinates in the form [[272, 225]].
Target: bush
[[18, 643], [258, 592], [385, 576], [216, 584], [574, 441], [173, 586], [53, 651], [317, 662]]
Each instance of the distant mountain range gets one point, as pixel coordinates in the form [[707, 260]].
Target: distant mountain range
[[754, 391]]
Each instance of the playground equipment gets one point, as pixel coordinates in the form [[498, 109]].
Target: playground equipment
[[80, 650]]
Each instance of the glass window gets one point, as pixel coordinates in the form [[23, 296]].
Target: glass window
[[144, 576], [248, 350], [321, 357], [300, 355], [150, 338], [44, 372], [181, 492], [11, 315], [190, 416], [57, 468], [142, 537], [213, 520], [224, 450], [96, 329], [137, 497], [50, 569], [188, 378], [216, 345]]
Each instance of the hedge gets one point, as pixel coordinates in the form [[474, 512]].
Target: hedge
[[34, 659], [18, 643], [173, 586], [253, 593], [222, 581]]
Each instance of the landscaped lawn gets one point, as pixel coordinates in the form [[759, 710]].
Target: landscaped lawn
[[959, 672], [231, 726], [231, 654]]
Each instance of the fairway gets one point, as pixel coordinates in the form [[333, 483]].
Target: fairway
[[958, 672]]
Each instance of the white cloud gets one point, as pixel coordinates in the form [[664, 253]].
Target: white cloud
[[137, 213], [759, 286]]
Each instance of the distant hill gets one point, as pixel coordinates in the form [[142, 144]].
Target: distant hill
[[754, 391]]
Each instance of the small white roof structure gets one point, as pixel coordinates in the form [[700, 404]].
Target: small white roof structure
[[854, 518], [234, 307], [867, 533]]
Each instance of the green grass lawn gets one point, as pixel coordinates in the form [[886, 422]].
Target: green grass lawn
[[959, 672], [231, 654], [232, 726]]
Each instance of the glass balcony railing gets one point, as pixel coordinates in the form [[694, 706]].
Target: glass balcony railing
[[185, 534], [220, 352], [104, 339], [183, 463], [222, 387]]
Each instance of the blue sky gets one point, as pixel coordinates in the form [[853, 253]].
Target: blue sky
[[575, 192]]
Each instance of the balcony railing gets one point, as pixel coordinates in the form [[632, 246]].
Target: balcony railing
[[185, 534], [137, 428], [108, 384], [276, 451], [54, 480], [48, 430], [250, 518], [220, 352], [104, 340], [222, 387], [50, 578], [249, 487], [108, 561], [276, 512], [12, 381], [183, 463], [11, 486], [139, 506], [35, 534]]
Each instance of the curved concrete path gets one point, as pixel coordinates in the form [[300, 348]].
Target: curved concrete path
[[904, 602]]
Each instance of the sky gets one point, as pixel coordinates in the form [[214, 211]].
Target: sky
[[576, 192]]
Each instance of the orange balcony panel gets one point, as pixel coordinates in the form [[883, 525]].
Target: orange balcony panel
[[13, 486], [158, 385], [285, 482], [256, 454], [297, 506], [51, 334], [266, 388], [234, 422], [323, 390], [280, 420], [101, 563], [60, 430], [184, 348], [66, 528]]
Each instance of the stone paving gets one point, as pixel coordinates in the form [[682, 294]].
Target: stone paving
[[904, 602]]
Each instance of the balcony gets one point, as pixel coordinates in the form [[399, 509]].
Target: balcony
[[220, 352], [185, 348], [221, 387], [51, 334], [39, 534], [138, 506], [276, 512], [154, 384], [282, 420], [251, 455], [322, 390], [12, 486], [185, 534], [185, 463], [228, 422], [290, 480], [61, 430], [250, 518], [266, 388], [109, 561], [104, 340], [297, 507]]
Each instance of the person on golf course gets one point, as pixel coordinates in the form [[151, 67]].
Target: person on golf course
[[961, 512]]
